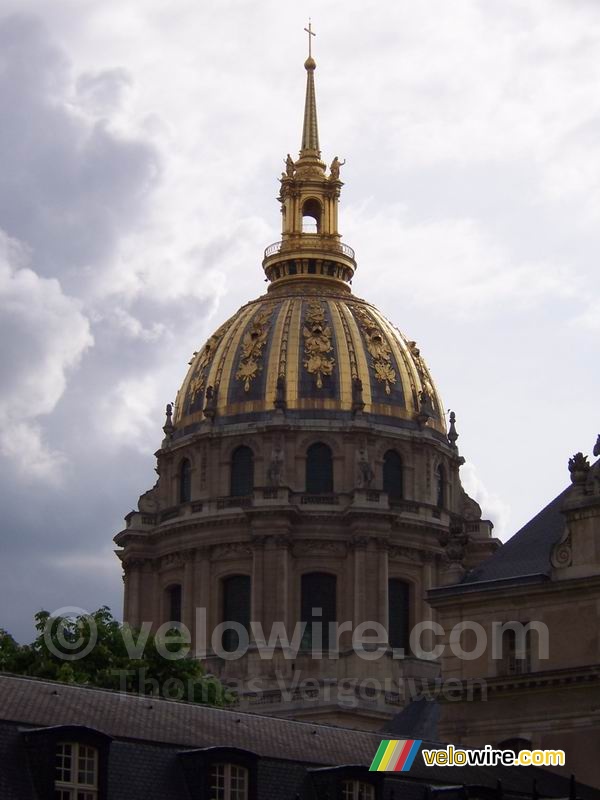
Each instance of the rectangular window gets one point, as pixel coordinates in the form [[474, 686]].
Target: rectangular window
[[228, 782], [357, 790], [76, 773]]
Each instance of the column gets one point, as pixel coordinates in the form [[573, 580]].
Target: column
[[133, 593], [187, 612], [360, 546], [282, 545], [258, 572], [383, 585], [202, 632], [426, 610]]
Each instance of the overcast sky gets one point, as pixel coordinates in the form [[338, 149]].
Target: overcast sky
[[140, 144]]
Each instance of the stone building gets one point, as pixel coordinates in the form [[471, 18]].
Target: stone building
[[541, 676], [307, 474]]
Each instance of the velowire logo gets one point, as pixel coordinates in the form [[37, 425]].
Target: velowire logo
[[395, 755]]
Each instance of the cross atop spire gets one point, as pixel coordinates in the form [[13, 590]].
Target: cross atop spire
[[311, 33], [310, 130]]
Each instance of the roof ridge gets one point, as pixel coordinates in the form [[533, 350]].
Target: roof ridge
[[166, 700]]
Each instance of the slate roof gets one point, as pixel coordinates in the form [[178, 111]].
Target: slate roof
[[528, 552], [418, 720], [187, 725], [149, 735]]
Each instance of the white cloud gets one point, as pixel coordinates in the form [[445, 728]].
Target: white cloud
[[128, 413], [43, 335], [452, 265], [493, 507]]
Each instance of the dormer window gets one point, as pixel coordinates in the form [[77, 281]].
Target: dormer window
[[228, 782], [76, 772], [357, 790]]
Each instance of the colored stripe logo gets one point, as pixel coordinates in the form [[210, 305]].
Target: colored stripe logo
[[395, 755]]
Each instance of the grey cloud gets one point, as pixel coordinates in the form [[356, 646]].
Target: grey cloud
[[103, 91], [69, 186]]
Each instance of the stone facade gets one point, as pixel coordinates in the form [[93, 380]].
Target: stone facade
[[547, 578], [279, 533]]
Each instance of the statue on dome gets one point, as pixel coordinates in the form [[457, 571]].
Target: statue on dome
[[334, 169], [358, 403], [290, 167]]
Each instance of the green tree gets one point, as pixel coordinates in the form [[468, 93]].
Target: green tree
[[96, 650]]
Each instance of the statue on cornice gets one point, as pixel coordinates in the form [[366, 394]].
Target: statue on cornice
[[365, 473], [275, 468], [334, 169]]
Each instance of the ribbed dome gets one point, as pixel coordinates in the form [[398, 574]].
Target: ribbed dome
[[313, 352]]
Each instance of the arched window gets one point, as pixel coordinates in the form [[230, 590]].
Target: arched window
[[440, 486], [392, 475], [228, 782], [76, 773], [317, 605], [516, 650], [319, 469], [398, 614], [311, 216], [236, 608], [174, 593], [185, 481], [357, 790], [242, 472]]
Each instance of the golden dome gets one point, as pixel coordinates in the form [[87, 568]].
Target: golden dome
[[313, 352], [308, 348]]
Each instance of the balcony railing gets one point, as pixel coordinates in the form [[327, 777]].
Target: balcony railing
[[234, 502], [310, 239], [282, 496], [320, 499]]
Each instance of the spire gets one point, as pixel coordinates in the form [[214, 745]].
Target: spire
[[310, 248], [310, 130]]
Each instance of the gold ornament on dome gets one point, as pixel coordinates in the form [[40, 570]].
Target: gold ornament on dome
[[317, 343], [378, 348], [422, 370], [253, 343], [198, 380]]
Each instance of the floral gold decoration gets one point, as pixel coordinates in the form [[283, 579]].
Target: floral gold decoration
[[378, 348], [253, 343], [317, 343], [198, 380]]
